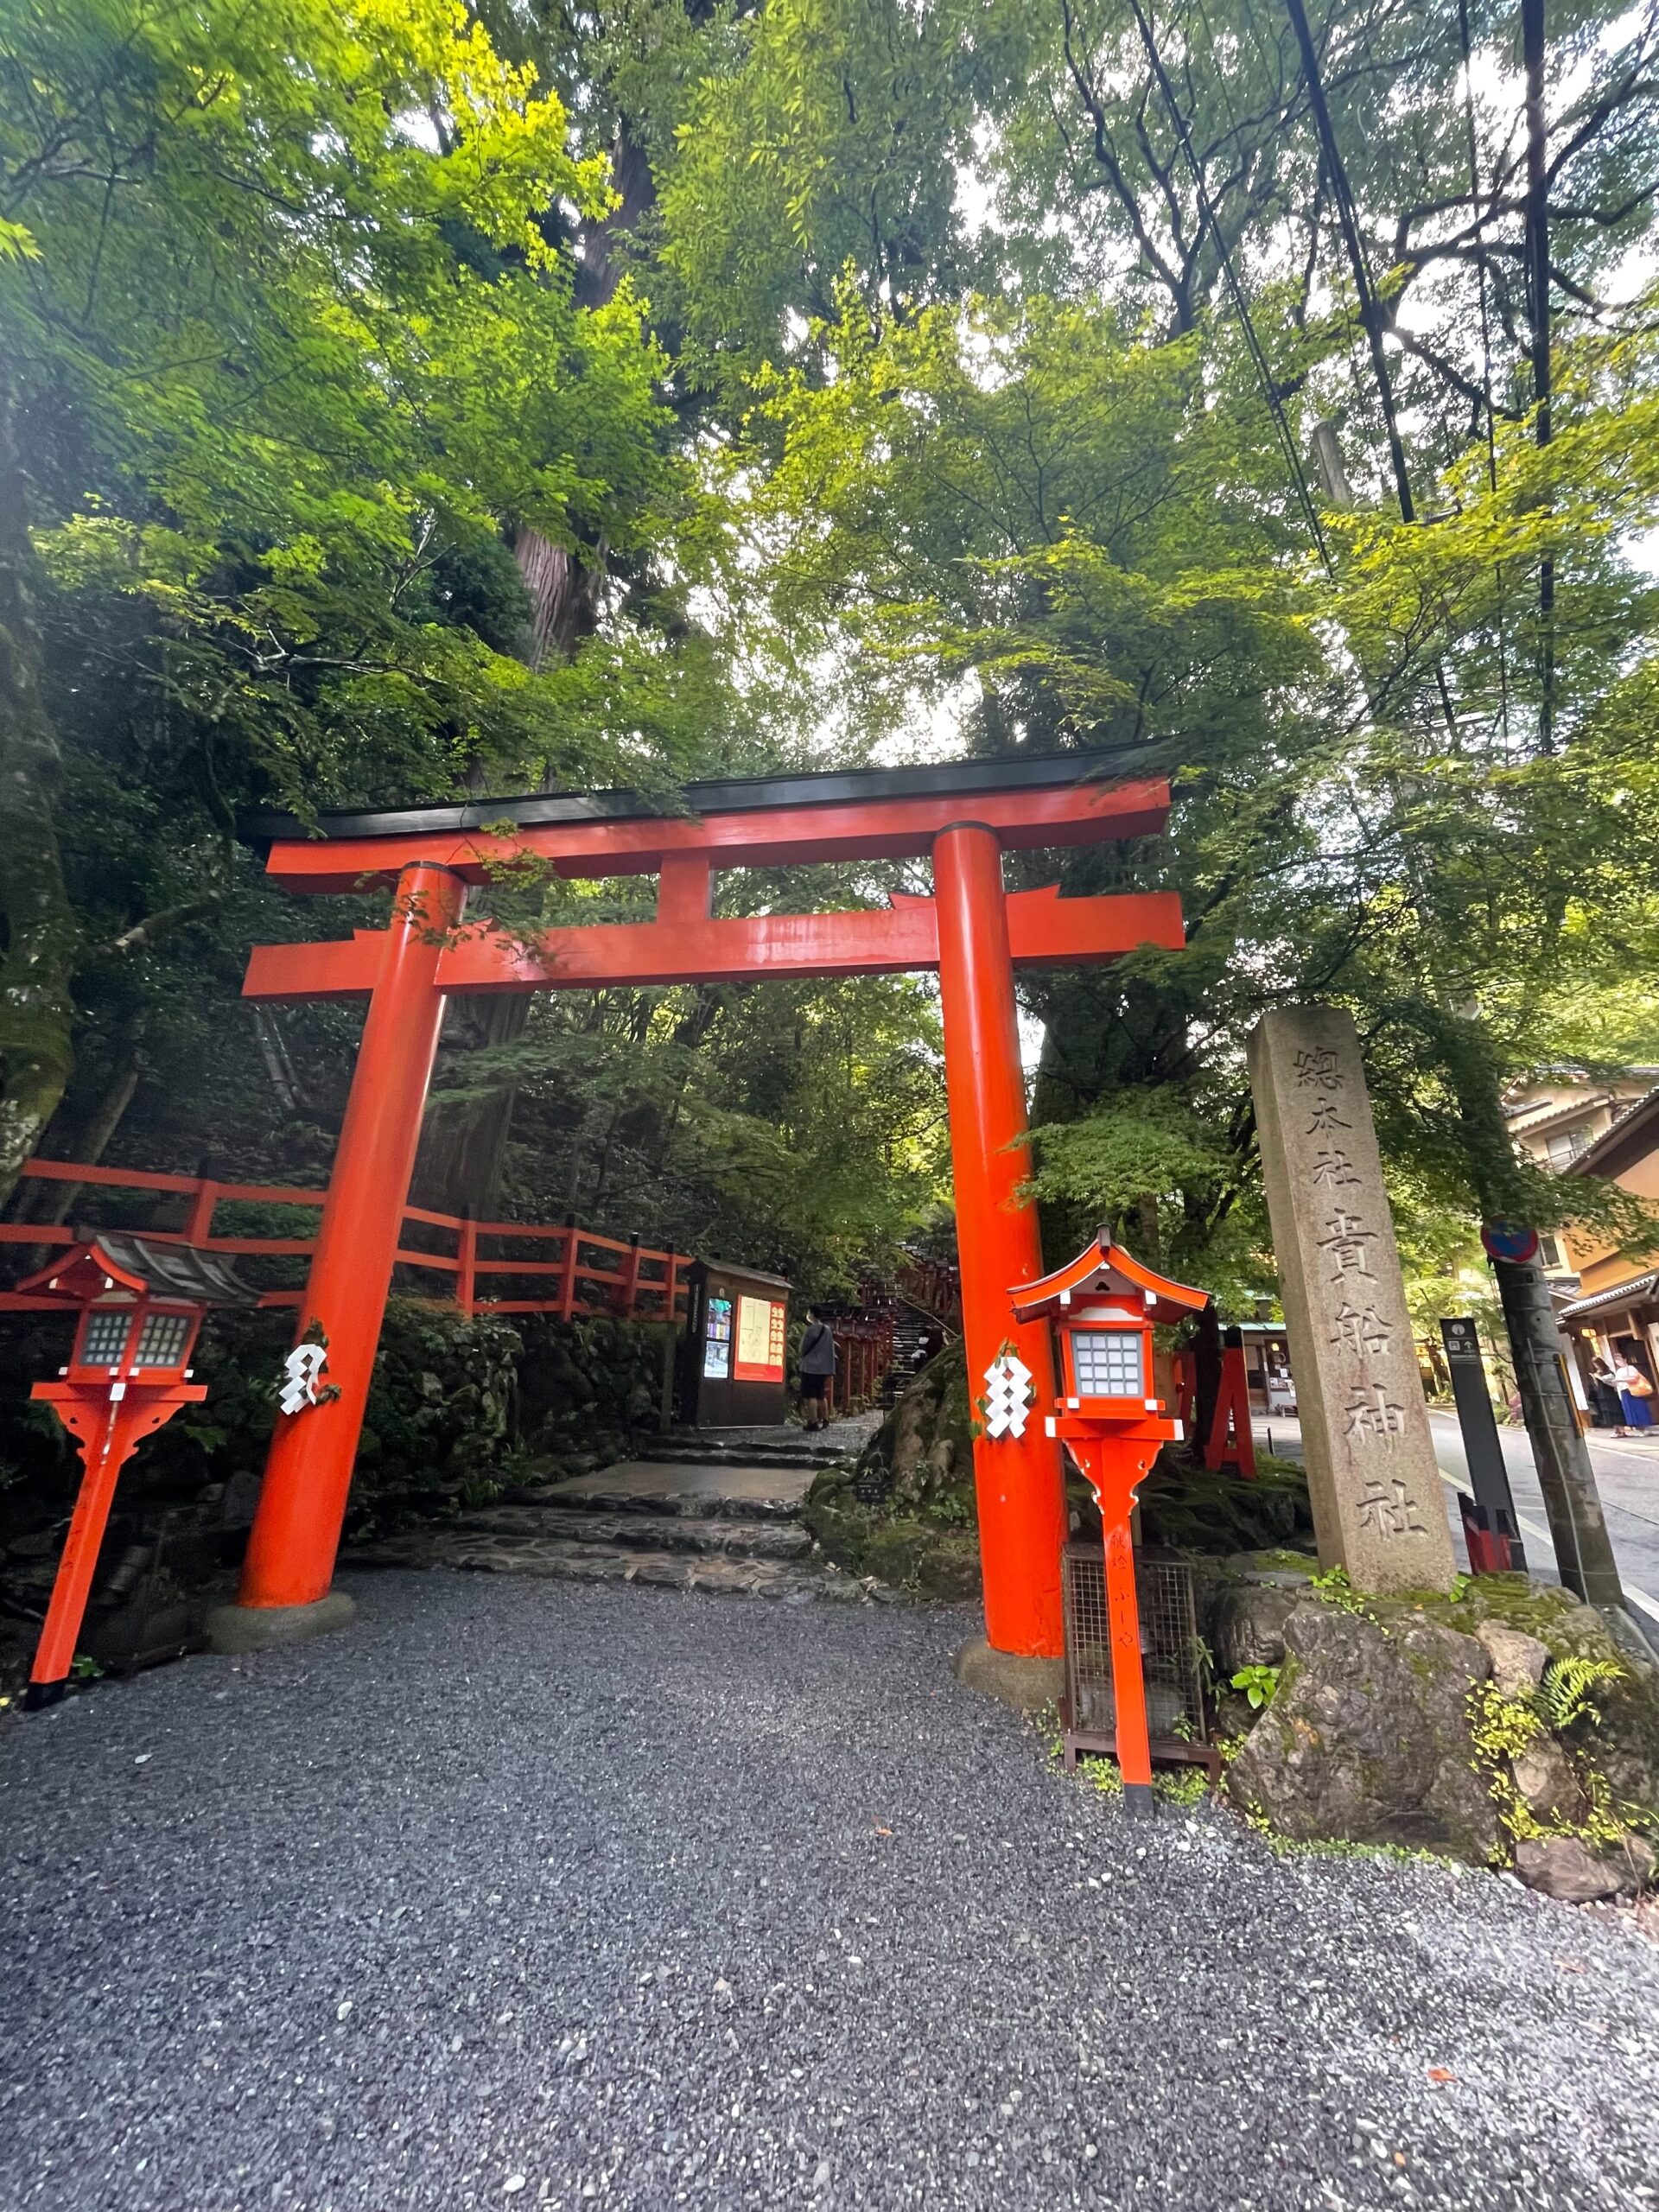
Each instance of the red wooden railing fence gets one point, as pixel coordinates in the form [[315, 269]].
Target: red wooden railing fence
[[646, 1285], [934, 1285], [864, 1355]]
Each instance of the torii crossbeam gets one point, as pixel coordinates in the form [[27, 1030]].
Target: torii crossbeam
[[964, 814]]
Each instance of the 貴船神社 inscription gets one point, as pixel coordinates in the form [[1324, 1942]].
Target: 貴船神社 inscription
[[1371, 1474]]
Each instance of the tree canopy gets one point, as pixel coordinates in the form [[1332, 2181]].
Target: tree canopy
[[408, 398]]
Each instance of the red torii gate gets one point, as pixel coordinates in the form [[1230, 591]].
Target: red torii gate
[[965, 814]]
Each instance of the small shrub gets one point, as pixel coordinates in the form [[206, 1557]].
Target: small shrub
[[1258, 1684]]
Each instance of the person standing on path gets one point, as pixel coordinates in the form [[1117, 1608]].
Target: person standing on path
[[817, 1365], [1633, 1393], [1605, 1392]]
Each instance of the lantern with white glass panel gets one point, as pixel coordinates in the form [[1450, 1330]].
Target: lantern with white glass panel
[[1104, 1306], [140, 1303]]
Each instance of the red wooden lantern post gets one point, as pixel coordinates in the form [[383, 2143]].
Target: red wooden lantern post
[[1104, 1305], [141, 1309]]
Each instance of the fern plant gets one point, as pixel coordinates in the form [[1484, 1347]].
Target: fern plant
[[1563, 1696]]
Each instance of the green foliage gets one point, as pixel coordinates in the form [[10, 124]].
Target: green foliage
[[303, 363], [1332, 1587], [868, 377], [1184, 1786], [1258, 1683], [1562, 1697]]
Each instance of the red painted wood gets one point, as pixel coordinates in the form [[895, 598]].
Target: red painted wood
[[108, 1432], [666, 1286], [568, 1275], [1115, 1457], [1080, 814], [295, 1534], [1128, 1680], [132, 1179], [467, 1275], [680, 946], [108, 1411], [1232, 1414], [969, 931], [1017, 1480]]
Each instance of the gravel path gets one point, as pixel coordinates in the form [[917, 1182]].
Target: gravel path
[[535, 1894]]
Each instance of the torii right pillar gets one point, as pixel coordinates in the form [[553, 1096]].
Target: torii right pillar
[[1019, 1487]]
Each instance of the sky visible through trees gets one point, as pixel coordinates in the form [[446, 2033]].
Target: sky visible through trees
[[401, 399]]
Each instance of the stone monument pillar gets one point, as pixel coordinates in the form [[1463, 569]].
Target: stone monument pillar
[[1376, 1489]]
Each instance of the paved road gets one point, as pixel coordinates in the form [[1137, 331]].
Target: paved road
[[536, 1894], [1627, 1476]]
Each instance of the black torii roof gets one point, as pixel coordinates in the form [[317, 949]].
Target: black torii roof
[[138, 1263], [260, 827]]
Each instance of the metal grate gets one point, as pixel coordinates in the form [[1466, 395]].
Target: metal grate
[[1108, 1363], [105, 1339], [162, 1339], [1171, 1654]]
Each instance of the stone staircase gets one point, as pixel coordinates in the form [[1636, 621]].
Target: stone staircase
[[717, 1512], [912, 1332]]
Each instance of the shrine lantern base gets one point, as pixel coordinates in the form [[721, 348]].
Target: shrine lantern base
[[1176, 1717]]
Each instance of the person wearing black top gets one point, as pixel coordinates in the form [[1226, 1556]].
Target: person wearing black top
[[817, 1365]]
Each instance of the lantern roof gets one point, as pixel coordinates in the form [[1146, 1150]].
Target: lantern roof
[[1103, 1269], [105, 1260]]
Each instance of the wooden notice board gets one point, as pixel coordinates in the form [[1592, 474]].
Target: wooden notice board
[[734, 1367]]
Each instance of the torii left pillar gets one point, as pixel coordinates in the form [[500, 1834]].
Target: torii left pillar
[[286, 1579], [1018, 1488]]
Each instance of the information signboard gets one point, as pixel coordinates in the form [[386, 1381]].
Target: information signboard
[[761, 1324], [717, 1340], [734, 1364]]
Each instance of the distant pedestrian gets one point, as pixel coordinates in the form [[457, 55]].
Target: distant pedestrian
[[817, 1366], [1633, 1393], [1604, 1394]]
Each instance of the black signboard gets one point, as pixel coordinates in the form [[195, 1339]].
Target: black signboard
[[1489, 1524]]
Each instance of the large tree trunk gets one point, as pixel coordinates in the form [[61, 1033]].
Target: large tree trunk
[[563, 596], [84, 1127], [464, 1141], [40, 932]]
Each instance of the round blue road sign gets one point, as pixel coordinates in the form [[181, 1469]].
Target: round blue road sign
[[1510, 1240]]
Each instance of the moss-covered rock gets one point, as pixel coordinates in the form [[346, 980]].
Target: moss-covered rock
[[1622, 1739], [922, 1456], [930, 1557], [1388, 1725], [904, 1512], [1186, 1508], [1368, 1737]]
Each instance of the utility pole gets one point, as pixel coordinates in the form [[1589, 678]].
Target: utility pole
[[1584, 1551]]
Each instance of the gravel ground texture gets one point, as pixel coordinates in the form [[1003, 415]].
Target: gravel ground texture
[[530, 1894]]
